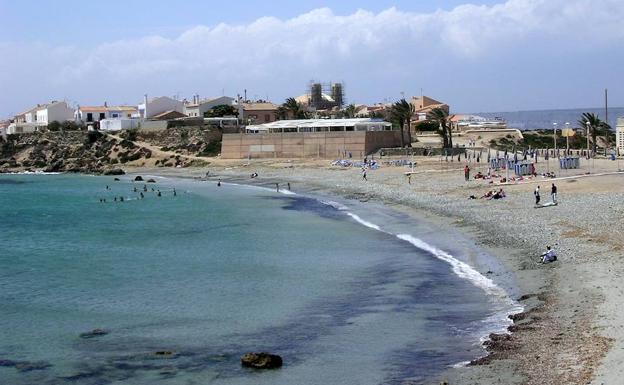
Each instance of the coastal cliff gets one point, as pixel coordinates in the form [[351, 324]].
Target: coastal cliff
[[96, 152]]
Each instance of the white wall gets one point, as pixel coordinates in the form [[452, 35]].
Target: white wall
[[118, 124], [160, 105], [59, 112]]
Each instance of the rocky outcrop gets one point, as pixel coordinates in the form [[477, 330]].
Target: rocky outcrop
[[261, 360]]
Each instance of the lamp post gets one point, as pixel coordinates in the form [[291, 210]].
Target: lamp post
[[555, 136], [588, 125], [567, 138]]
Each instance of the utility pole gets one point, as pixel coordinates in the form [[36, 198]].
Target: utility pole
[[607, 118]]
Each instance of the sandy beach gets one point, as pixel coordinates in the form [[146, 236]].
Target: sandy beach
[[571, 331]]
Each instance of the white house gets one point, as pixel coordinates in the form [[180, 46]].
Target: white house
[[152, 107], [89, 114], [40, 116], [55, 111], [198, 107]]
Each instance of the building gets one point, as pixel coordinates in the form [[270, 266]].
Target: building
[[198, 107], [155, 106], [315, 138], [91, 114], [321, 125], [40, 116], [257, 112], [323, 96], [619, 135], [4, 125], [475, 122], [424, 104]]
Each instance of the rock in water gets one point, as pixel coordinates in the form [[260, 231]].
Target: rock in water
[[261, 360], [138, 178], [151, 181]]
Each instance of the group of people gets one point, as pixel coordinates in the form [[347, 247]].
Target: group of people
[[553, 194], [135, 190]]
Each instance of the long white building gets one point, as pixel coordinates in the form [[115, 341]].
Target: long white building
[[321, 125]]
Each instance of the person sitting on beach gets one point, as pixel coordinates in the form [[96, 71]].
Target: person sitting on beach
[[500, 194], [487, 195], [479, 175], [549, 255], [254, 175]]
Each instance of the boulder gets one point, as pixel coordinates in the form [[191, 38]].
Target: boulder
[[138, 178], [114, 171], [261, 360]]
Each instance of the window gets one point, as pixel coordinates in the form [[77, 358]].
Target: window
[[89, 117], [102, 116], [267, 118], [115, 115]]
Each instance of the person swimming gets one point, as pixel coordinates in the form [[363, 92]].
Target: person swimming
[[121, 199], [159, 193], [174, 193]]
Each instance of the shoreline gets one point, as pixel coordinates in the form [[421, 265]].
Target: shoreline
[[571, 331], [570, 323]]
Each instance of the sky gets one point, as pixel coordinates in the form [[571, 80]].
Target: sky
[[478, 56]]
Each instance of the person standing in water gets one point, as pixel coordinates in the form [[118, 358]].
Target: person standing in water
[[277, 187], [174, 193], [288, 186], [219, 183]]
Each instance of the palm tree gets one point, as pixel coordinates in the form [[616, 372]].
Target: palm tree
[[440, 116], [350, 111], [294, 108], [596, 127], [401, 113]]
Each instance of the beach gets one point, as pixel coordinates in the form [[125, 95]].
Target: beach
[[571, 332]]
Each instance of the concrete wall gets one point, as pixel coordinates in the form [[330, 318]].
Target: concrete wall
[[328, 145], [118, 124]]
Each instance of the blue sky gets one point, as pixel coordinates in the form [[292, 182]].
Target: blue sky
[[476, 56]]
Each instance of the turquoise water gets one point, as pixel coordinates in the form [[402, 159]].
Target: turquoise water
[[212, 273]]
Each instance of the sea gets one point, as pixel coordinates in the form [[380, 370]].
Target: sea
[[186, 279], [544, 119]]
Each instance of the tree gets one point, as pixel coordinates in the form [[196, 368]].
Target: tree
[[401, 114], [221, 110], [440, 116], [293, 109], [596, 127], [350, 111], [54, 126]]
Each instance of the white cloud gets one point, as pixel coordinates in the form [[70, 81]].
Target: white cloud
[[279, 56]]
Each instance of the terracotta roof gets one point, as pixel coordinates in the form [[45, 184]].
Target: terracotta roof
[[174, 114]]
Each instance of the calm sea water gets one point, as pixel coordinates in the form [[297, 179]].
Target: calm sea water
[[544, 119], [212, 273]]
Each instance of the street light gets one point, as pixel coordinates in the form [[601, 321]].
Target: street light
[[567, 138], [588, 125]]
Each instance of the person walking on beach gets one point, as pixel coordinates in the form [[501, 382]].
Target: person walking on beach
[[467, 173], [277, 187], [537, 195], [553, 193], [364, 173]]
